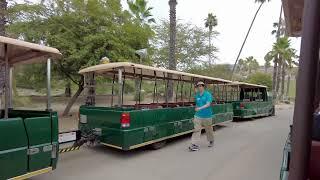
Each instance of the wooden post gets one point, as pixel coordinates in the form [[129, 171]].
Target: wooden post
[[304, 107]]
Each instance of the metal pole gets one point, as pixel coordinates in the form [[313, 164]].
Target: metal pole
[[182, 82], [112, 89], [7, 81], [226, 89], [154, 87], [120, 87], [48, 85], [140, 87], [244, 41], [167, 93], [239, 91], [10, 87], [192, 85], [123, 84], [303, 110], [177, 89]]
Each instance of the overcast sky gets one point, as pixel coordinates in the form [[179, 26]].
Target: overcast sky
[[234, 18]]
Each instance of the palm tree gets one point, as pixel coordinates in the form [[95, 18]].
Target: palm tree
[[210, 22], [267, 64], [172, 43], [252, 64], [143, 14], [281, 29], [277, 66], [245, 39], [290, 61], [140, 10], [282, 52]]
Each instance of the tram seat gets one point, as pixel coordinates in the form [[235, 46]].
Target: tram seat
[[314, 173], [147, 106]]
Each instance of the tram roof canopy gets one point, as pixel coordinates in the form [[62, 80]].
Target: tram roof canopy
[[149, 72], [293, 12], [247, 85], [24, 52]]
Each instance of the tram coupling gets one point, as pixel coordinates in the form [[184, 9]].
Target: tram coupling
[[73, 140]]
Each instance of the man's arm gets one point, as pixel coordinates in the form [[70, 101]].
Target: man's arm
[[208, 104]]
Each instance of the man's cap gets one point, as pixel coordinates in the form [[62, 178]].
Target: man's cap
[[200, 83]]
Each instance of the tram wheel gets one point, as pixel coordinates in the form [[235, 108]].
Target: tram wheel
[[158, 145]]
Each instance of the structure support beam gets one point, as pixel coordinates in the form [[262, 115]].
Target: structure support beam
[[303, 111], [120, 81], [7, 81], [49, 85], [10, 87]]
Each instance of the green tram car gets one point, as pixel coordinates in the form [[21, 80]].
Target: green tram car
[[28, 139], [253, 101], [128, 126]]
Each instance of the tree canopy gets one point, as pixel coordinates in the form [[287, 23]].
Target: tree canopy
[[260, 78], [84, 31], [192, 45]]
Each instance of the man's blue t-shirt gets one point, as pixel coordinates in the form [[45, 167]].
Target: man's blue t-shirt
[[202, 100]]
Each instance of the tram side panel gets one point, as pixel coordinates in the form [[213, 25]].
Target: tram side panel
[[28, 143], [252, 109], [127, 128]]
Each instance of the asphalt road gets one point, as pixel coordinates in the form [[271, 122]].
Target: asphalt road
[[250, 150]]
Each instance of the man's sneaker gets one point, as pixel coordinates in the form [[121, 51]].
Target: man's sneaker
[[193, 147], [211, 144]]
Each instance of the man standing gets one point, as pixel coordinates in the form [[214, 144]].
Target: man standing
[[202, 117]]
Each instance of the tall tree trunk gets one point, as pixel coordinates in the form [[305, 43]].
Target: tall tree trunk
[[288, 85], [245, 40], [172, 44], [74, 98], [265, 68], [276, 62], [278, 77], [67, 91], [3, 12], [274, 78], [210, 50], [283, 79]]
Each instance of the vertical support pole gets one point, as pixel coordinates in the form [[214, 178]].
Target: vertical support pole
[[304, 107], [182, 82], [177, 89], [219, 93], [10, 87], [239, 93], [191, 85], [123, 84], [120, 87], [140, 85], [167, 93], [135, 84], [6, 110], [112, 89], [226, 89], [154, 87], [49, 85]]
